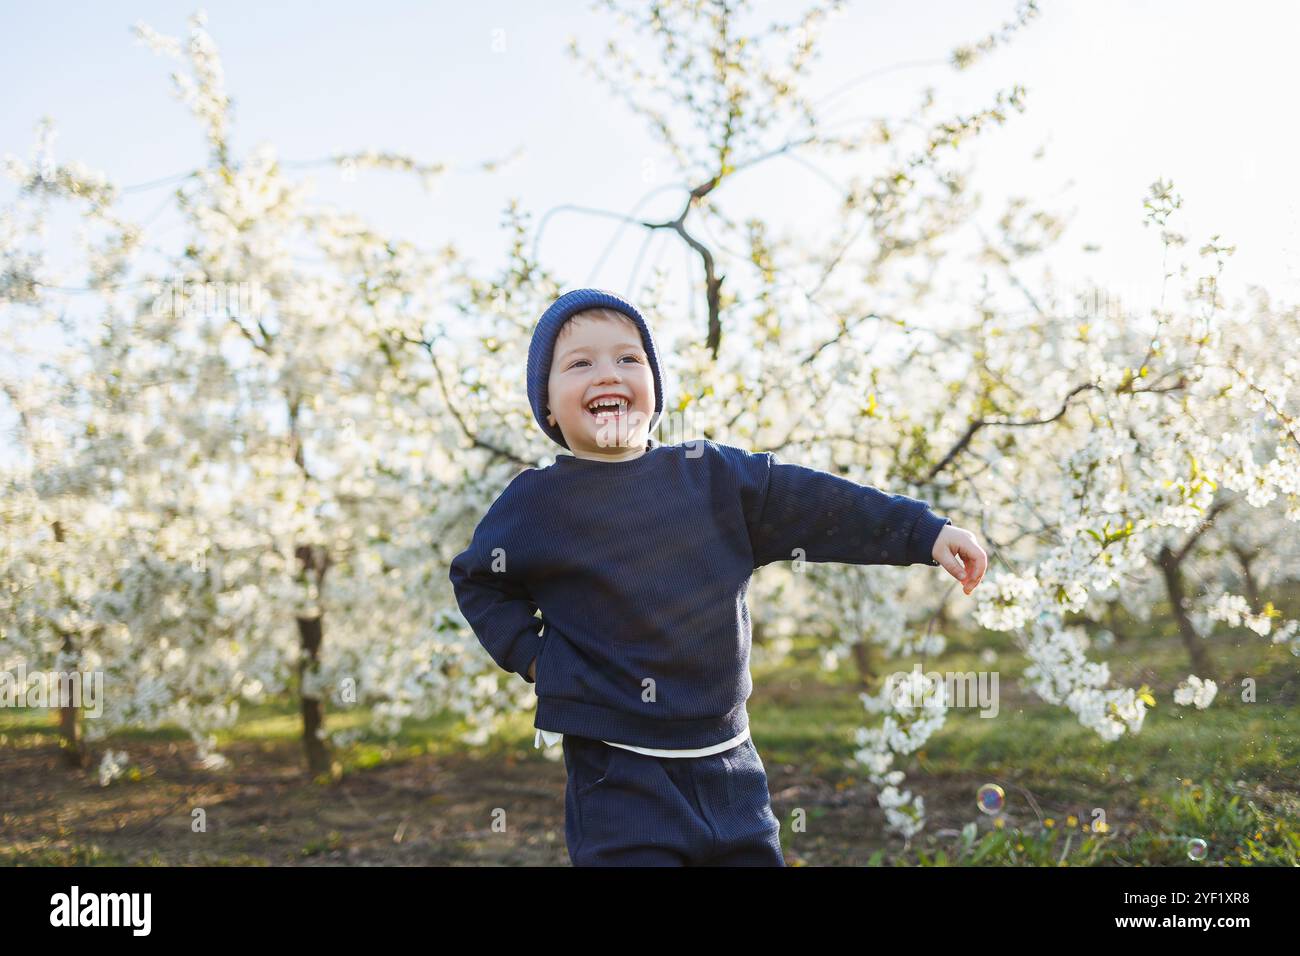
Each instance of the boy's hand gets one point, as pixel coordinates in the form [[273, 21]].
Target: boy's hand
[[532, 670], [957, 550]]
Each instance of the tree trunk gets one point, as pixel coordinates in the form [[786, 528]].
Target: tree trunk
[[1195, 644], [862, 657], [74, 755], [1252, 586], [313, 708], [943, 621], [310, 634], [1112, 624]]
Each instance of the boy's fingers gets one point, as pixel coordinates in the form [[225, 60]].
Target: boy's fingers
[[955, 566], [973, 566]]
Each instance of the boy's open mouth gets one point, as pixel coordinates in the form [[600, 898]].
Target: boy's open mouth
[[607, 411]]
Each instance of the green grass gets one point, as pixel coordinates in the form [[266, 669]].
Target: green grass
[[1236, 832], [278, 726], [1144, 783], [88, 855]]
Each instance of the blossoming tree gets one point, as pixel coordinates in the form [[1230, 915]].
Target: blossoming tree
[[222, 502]]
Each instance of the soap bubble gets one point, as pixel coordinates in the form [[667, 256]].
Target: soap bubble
[[990, 798], [1196, 848]]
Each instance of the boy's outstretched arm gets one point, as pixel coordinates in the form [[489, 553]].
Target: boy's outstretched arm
[[497, 606], [797, 512]]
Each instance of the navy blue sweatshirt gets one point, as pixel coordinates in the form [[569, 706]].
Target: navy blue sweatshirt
[[640, 570]]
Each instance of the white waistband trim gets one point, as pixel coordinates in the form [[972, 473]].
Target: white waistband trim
[[551, 738]]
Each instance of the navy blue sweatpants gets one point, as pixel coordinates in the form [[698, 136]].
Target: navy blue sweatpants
[[623, 808]]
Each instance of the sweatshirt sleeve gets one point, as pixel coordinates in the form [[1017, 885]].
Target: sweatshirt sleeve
[[495, 600], [789, 507]]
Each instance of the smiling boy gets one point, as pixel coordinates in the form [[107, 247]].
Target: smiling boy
[[601, 389], [639, 557]]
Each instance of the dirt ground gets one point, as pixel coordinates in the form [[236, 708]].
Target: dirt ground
[[424, 811]]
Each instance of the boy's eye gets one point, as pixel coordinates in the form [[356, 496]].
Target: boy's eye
[[629, 355]]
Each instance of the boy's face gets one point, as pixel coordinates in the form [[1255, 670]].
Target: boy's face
[[597, 354]]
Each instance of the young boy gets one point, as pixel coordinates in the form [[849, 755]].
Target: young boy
[[639, 556]]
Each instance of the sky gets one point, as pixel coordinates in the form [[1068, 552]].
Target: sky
[[1119, 94]]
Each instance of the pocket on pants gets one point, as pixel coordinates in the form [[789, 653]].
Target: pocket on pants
[[589, 762], [747, 777]]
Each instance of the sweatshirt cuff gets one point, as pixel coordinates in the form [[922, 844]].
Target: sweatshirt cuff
[[924, 533], [524, 653]]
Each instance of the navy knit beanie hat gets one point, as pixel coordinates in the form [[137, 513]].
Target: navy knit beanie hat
[[542, 347]]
